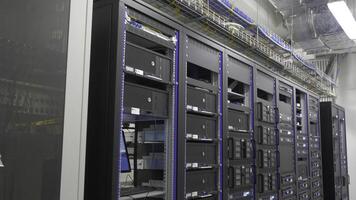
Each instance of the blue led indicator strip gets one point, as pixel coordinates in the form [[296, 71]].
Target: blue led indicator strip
[[221, 124]]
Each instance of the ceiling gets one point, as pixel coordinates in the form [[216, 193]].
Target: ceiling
[[314, 28]]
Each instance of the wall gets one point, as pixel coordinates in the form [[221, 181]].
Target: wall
[[346, 97]]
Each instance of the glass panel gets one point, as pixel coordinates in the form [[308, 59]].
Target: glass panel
[[33, 52]]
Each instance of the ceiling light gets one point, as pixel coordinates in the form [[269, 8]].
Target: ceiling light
[[344, 17]]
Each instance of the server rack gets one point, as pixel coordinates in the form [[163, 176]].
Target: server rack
[[233, 125], [238, 131], [302, 145], [334, 152], [203, 120], [266, 137], [316, 180], [134, 71], [286, 141]]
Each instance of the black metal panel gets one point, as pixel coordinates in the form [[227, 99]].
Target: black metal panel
[[101, 157], [333, 137], [181, 123], [201, 183], [286, 158], [238, 70], [265, 82], [202, 55], [201, 154], [343, 153], [162, 27]]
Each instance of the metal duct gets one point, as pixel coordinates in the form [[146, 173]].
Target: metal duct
[[314, 27]]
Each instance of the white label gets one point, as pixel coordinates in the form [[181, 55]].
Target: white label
[[195, 108], [189, 165], [194, 194], [194, 165], [189, 135], [188, 195], [229, 90], [231, 128], [195, 136], [129, 69], [139, 72], [135, 111], [189, 107]]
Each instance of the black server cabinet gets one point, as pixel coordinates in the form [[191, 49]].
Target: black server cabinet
[[132, 93], [286, 137], [148, 109], [302, 145], [266, 137], [202, 142], [316, 175], [238, 150], [334, 152]]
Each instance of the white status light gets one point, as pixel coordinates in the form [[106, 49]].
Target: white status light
[[344, 17]]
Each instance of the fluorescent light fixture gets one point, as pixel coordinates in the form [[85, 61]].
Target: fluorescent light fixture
[[344, 16]]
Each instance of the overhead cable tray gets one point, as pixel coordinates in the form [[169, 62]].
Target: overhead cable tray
[[298, 69]]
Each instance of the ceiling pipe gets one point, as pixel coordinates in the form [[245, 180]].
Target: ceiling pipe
[[311, 23]]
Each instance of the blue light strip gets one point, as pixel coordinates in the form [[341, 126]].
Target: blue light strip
[[275, 38], [305, 63], [241, 15], [275, 105], [221, 125], [252, 127]]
